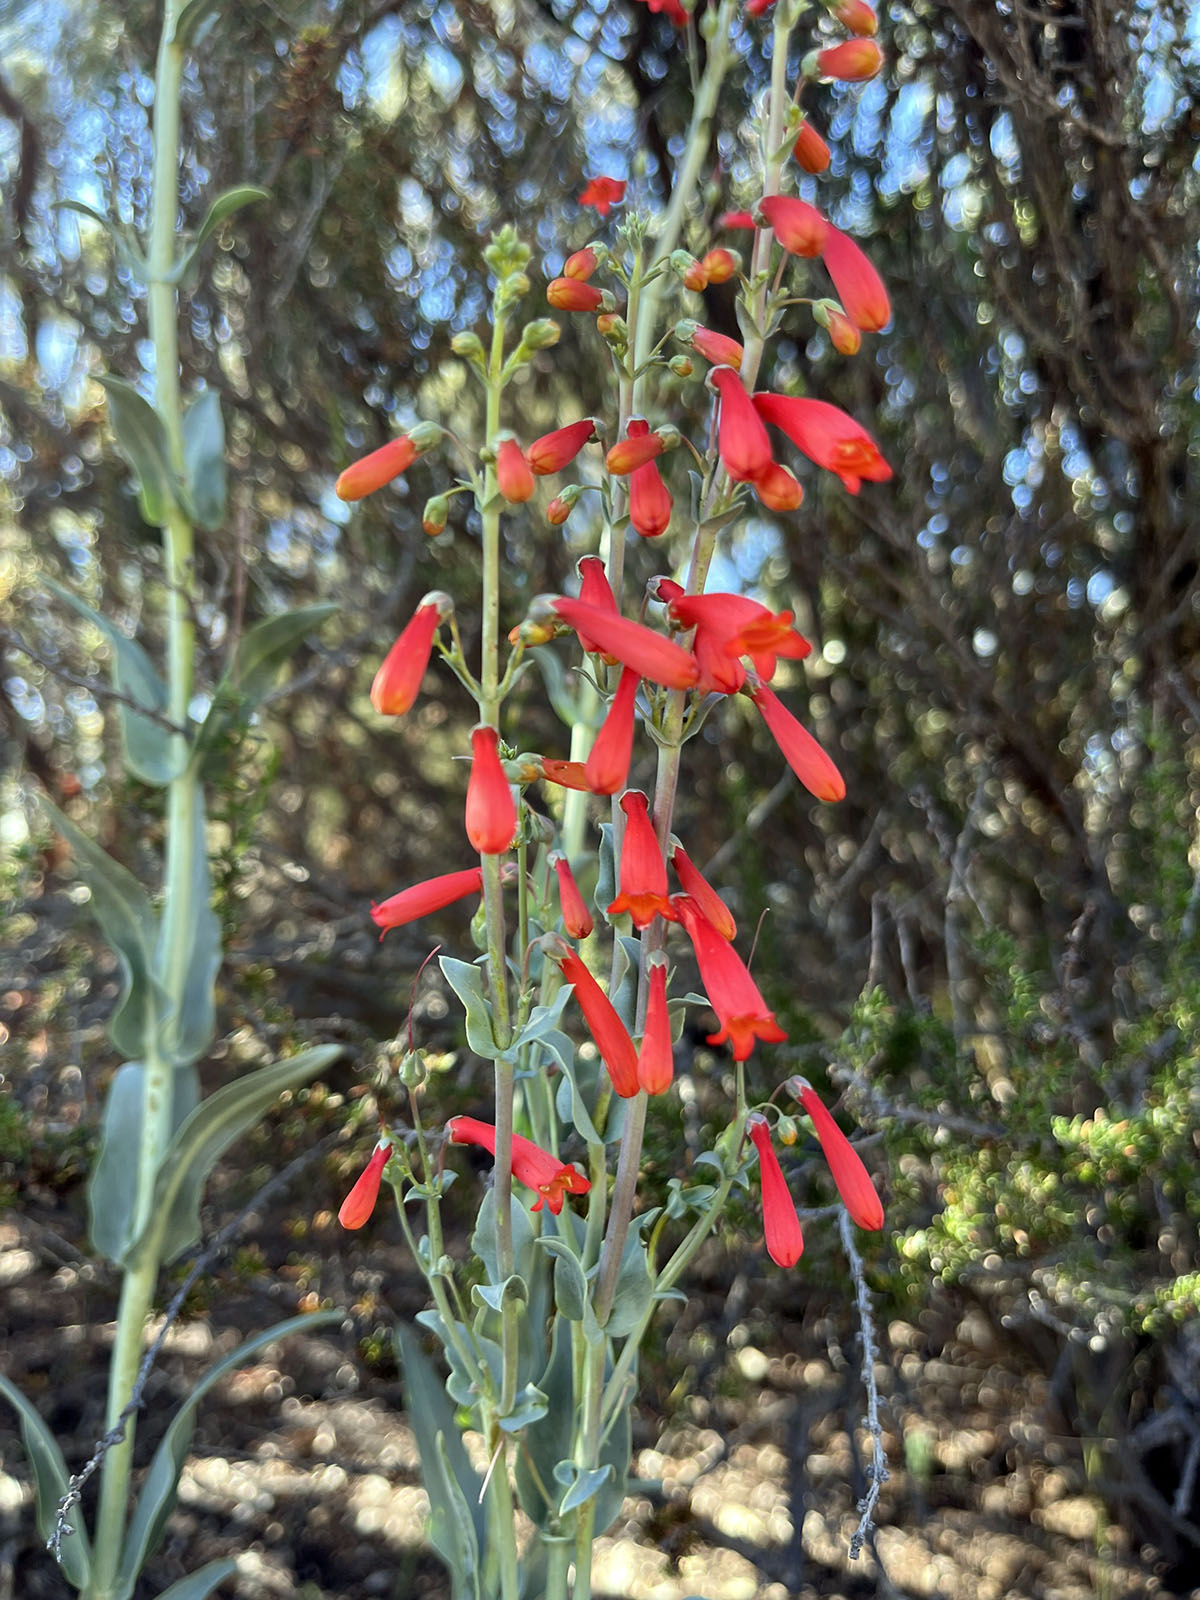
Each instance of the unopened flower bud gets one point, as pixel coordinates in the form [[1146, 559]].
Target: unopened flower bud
[[412, 1069], [681, 366], [433, 518], [786, 1130], [709, 24], [613, 328], [811, 151], [469, 345], [720, 265], [581, 265], [688, 270], [857, 17], [540, 335], [569, 294]]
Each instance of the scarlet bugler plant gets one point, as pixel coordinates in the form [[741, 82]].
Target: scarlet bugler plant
[[541, 1327]]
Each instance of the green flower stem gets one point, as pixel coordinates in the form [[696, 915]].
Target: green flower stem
[[587, 1456], [558, 1566], [774, 156]]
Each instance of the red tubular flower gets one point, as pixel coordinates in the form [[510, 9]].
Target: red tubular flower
[[577, 919], [718, 348], [736, 219], [491, 809], [852, 61], [719, 265], [827, 436], [531, 1165], [554, 451], [851, 1177], [360, 1202], [742, 439], [513, 477], [732, 992], [857, 17], [811, 151], [581, 265], [698, 888], [602, 194], [569, 774], [634, 451], [859, 287], [781, 1225], [572, 294], [732, 625], [423, 898], [778, 488], [363, 477], [800, 750], [650, 502], [398, 681], [656, 1057], [799, 227], [607, 765], [843, 334], [612, 1040], [633, 644], [595, 590], [643, 886], [672, 10]]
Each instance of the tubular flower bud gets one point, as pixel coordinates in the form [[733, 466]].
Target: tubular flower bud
[[843, 335], [554, 451], [799, 227], [851, 1177], [860, 288], [736, 219], [810, 150], [719, 265], [568, 774], [732, 992], [852, 61], [360, 1202], [513, 477], [607, 765], [571, 294], [491, 810], [634, 451], [781, 1225], [718, 348], [643, 886], [433, 518], [595, 590], [857, 17], [581, 265], [602, 194], [542, 334], [577, 919], [778, 488], [827, 436], [649, 653], [650, 501], [799, 749], [371, 472], [424, 898], [656, 1058], [688, 270], [398, 681], [605, 1026], [742, 439], [559, 510], [550, 1178], [697, 886], [681, 366]]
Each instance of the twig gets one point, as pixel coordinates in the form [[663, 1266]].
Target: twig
[[207, 1257], [97, 690], [877, 1471]]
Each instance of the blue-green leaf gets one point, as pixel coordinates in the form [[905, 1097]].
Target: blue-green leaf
[[483, 1240], [588, 1483], [200, 1584], [634, 1285], [161, 1483], [204, 467], [191, 1026], [112, 1191], [152, 752], [577, 1085], [50, 1480], [127, 921], [606, 879], [530, 1406], [495, 1296], [466, 980], [547, 1442], [456, 1517], [143, 442], [541, 1020], [203, 1140], [570, 1284], [261, 654], [224, 206]]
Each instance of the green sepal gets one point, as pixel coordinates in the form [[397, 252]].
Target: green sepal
[[143, 442], [467, 982], [152, 752], [204, 1138], [204, 467], [50, 1479], [127, 921], [161, 1483]]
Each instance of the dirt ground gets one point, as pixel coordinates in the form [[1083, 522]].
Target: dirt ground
[[749, 1450]]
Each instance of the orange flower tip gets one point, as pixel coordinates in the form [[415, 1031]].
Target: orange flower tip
[[602, 194], [857, 17], [373, 471], [572, 294], [811, 151], [358, 1205], [581, 264], [852, 61]]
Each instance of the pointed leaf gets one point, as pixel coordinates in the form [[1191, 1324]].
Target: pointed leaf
[[112, 1191], [588, 1483], [634, 1286], [570, 1284], [161, 1483], [143, 442], [260, 655], [541, 1020], [456, 1517], [50, 1478], [548, 1441], [224, 206], [190, 1028], [530, 1406], [152, 752], [200, 1584], [466, 980], [495, 1296], [126, 920], [483, 1240], [606, 879], [203, 1140], [204, 466]]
